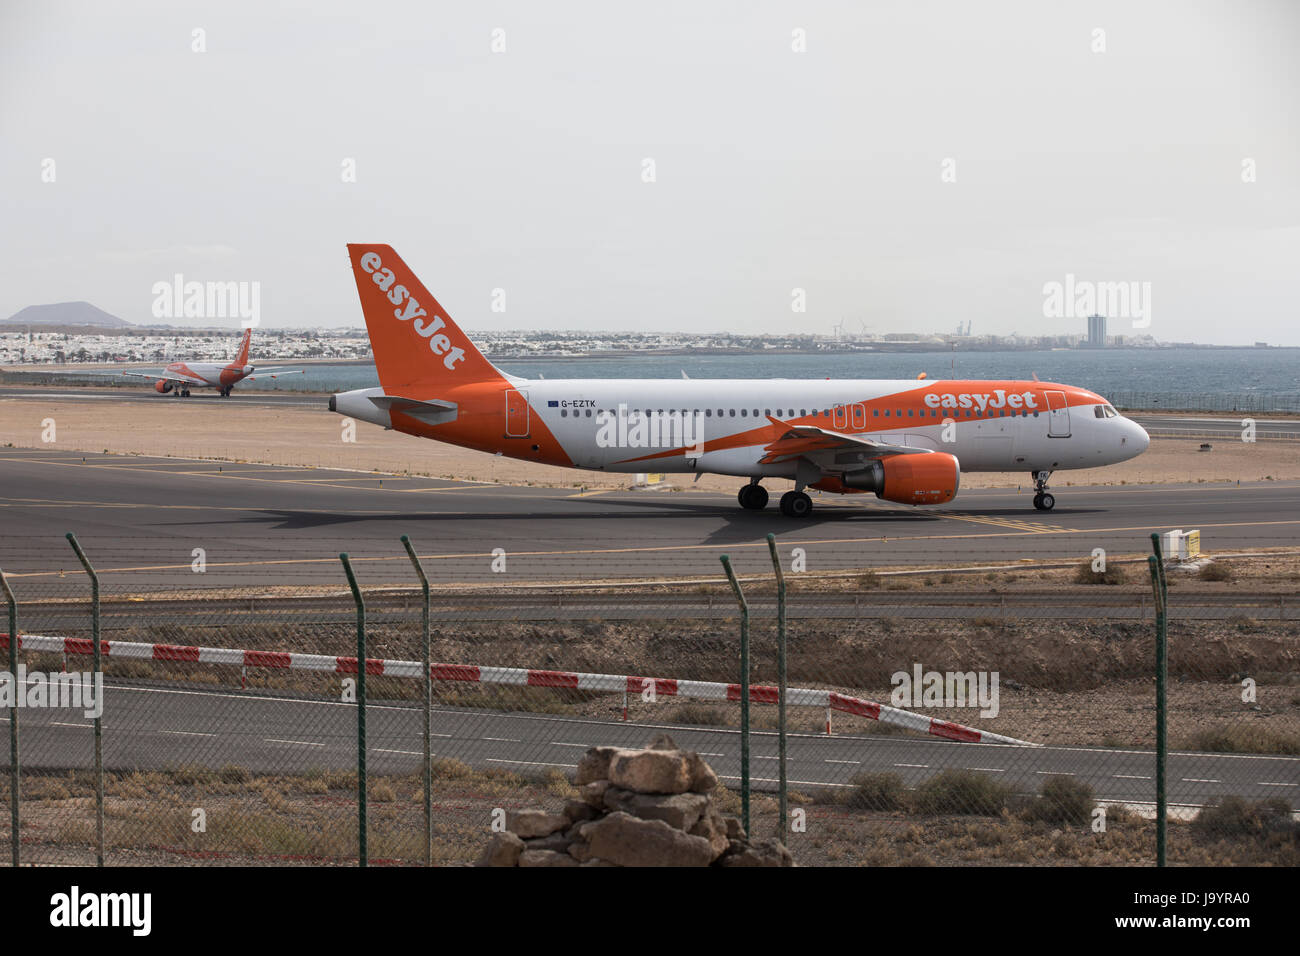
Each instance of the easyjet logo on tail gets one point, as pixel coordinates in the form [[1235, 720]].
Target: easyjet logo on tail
[[408, 308]]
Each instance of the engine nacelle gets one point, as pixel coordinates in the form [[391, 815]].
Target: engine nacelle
[[917, 479], [162, 386]]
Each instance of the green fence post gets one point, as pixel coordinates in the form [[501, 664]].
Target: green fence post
[[1159, 586], [361, 709], [780, 681], [97, 667], [744, 693], [428, 704], [13, 716]]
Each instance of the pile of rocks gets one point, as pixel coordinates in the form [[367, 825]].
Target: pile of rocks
[[650, 807]]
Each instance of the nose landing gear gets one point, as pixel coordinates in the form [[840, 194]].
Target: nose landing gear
[[1043, 500]]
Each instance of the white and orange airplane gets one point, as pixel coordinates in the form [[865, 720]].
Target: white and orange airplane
[[906, 441], [179, 377]]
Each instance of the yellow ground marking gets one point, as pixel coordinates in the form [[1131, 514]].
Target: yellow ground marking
[[1020, 524]]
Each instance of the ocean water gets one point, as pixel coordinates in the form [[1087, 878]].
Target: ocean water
[[1224, 379]]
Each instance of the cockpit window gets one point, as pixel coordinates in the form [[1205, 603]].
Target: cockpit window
[[1104, 411]]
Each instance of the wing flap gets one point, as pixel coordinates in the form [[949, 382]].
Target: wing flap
[[272, 373], [812, 442]]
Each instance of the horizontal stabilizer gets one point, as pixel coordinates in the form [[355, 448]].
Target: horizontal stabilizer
[[431, 411]]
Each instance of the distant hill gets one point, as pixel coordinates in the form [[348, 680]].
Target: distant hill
[[81, 314]]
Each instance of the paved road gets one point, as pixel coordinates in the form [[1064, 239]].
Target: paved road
[[140, 519], [143, 392], [159, 726], [1218, 428]]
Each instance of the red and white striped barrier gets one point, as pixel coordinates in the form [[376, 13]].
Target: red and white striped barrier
[[517, 676]]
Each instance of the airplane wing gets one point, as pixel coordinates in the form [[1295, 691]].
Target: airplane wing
[[819, 445], [168, 377], [273, 372]]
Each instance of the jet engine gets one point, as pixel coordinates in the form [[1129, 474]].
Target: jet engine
[[917, 479], [162, 386]]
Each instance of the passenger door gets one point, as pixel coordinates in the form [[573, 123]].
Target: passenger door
[[1058, 415], [516, 414]]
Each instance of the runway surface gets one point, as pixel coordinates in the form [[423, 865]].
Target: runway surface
[[141, 519], [153, 726]]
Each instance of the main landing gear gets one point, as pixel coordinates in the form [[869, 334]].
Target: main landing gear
[[752, 497], [794, 504], [1043, 499]]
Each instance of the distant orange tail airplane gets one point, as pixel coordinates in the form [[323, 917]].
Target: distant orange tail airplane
[[179, 377]]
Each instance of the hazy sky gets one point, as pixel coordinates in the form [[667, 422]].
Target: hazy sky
[[775, 169]]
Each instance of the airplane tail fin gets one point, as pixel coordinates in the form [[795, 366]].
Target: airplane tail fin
[[413, 339], [242, 357]]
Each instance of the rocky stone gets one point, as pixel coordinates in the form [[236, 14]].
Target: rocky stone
[[680, 810], [650, 771], [758, 853], [626, 840], [650, 807], [594, 765], [579, 811], [534, 823], [734, 830], [712, 827], [558, 841], [593, 794], [580, 850], [531, 857], [703, 779], [502, 850]]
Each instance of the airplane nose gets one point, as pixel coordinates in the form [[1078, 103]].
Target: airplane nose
[[1135, 440]]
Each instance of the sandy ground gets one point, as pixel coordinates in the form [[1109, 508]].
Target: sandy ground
[[310, 820], [306, 437]]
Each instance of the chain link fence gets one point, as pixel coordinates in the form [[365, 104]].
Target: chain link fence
[[979, 714]]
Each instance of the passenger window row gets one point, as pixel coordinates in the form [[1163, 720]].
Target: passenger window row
[[1100, 411]]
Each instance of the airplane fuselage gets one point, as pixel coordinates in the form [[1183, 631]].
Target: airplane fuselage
[[906, 441], [209, 374], [723, 425]]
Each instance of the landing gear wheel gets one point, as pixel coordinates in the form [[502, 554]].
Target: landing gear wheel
[[795, 504], [1043, 500], [752, 497], [185, 393]]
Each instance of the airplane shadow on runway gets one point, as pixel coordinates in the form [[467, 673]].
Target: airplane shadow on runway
[[736, 524], [743, 526]]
